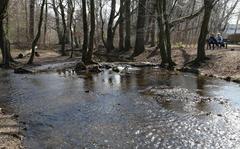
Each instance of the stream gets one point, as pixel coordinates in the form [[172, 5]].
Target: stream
[[110, 110]]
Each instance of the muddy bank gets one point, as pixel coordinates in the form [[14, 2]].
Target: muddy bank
[[76, 64], [10, 137], [223, 63]]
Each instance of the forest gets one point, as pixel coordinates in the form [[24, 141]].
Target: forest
[[118, 26], [119, 73]]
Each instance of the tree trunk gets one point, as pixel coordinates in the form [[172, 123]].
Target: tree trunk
[[76, 40], [71, 10], [153, 30], [201, 55], [92, 32], [110, 33], [85, 31], [4, 46], [139, 43], [26, 19], [45, 25], [127, 25], [161, 35], [68, 22], [167, 35], [151, 8], [4, 43], [31, 19], [64, 28], [35, 41], [121, 26], [57, 20]]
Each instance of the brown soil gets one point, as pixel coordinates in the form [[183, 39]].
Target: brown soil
[[223, 63], [9, 132]]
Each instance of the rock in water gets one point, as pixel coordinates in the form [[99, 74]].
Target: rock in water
[[228, 78], [22, 71], [20, 56], [116, 69], [80, 67], [94, 68]]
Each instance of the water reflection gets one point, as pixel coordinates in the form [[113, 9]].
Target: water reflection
[[66, 110], [200, 85]]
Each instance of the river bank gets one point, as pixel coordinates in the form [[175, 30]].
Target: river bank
[[10, 137], [222, 63]]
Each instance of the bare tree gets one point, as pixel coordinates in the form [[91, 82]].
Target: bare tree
[[139, 44], [4, 43], [127, 24], [35, 41], [64, 25], [31, 18], [85, 31], [208, 6], [57, 21], [92, 32], [110, 32]]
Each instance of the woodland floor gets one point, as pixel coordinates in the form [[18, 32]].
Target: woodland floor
[[223, 63]]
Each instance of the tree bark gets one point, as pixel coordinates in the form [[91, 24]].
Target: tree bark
[[31, 19], [4, 42], [127, 25], [161, 34], [167, 35], [57, 20], [92, 32], [35, 41], [110, 33], [45, 25], [208, 6], [139, 43], [153, 30], [85, 31], [64, 28], [76, 40], [121, 26], [71, 10]]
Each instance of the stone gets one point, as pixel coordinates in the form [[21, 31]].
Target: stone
[[94, 69], [21, 71], [228, 78], [80, 67], [211, 76], [20, 56], [116, 69]]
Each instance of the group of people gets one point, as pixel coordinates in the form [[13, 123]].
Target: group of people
[[215, 40]]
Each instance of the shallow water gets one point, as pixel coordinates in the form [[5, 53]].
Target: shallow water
[[108, 110]]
